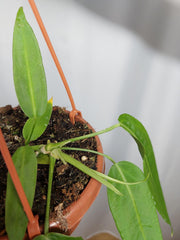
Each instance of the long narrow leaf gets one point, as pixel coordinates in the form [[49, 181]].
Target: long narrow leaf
[[134, 213], [92, 173], [15, 219], [99, 173], [138, 132], [115, 180], [29, 75]]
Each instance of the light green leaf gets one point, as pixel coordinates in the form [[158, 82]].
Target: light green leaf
[[90, 172], [15, 219], [56, 236], [29, 75], [34, 127], [138, 132], [134, 213]]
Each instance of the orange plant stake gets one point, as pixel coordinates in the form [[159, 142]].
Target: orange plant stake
[[33, 225], [74, 111]]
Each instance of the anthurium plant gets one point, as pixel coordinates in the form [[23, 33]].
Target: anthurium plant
[[134, 195]]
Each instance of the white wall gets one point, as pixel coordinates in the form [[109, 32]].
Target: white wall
[[110, 71]]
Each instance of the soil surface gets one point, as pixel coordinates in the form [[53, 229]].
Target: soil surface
[[68, 181]]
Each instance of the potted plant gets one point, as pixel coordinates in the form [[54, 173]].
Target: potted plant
[[35, 90], [134, 195]]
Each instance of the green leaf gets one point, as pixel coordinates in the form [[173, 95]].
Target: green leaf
[[29, 75], [15, 219], [138, 132], [34, 127], [56, 236], [90, 172], [134, 213]]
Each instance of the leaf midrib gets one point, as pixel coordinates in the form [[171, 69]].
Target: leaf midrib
[[133, 201], [29, 77]]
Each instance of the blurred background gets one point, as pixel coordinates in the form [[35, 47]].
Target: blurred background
[[118, 56]]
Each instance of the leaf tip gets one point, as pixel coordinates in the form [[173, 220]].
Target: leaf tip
[[20, 13]]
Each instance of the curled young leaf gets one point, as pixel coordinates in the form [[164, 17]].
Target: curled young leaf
[[35, 126]]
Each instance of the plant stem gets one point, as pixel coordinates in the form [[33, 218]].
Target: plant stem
[[90, 151], [51, 146], [51, 170]]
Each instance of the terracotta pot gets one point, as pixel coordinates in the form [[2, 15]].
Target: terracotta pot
[[73, 214]]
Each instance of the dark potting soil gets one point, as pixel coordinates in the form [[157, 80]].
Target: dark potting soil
[[68, 182]]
